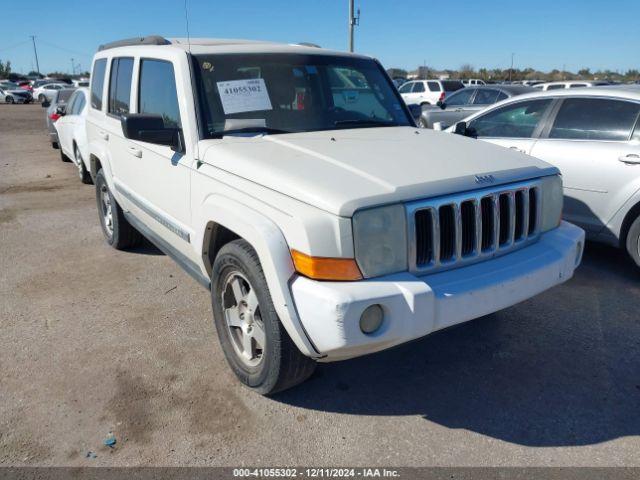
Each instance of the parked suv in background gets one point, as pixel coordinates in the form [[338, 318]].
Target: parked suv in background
[[428, 92], [593, 136], [471, 82], [291, 182]]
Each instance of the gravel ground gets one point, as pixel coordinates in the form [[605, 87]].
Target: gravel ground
[[95, 341]]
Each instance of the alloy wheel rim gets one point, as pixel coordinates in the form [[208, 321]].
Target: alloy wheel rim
[[79, 163], [243, 319], [105, 204]]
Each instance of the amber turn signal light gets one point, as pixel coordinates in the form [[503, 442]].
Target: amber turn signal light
[[325, 268]]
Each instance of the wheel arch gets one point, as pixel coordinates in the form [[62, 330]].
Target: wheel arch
[[629, 218], [221, 220]]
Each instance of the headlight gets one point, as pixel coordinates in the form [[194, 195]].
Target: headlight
[[380, 238], [551, 192]]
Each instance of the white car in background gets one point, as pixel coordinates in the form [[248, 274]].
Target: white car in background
[[470, 82], [72, 132], [569, 84], [12, 93], [593, 136], [48, 91], [428, 92]]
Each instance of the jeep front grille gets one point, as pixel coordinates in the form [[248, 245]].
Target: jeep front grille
[[447, 232]]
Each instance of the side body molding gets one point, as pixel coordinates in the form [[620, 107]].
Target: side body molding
[[269, 243]]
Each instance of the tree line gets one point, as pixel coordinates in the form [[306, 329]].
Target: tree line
[[497, 74]]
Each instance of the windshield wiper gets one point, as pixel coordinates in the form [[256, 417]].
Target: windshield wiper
[[267, 130], [365, 123]]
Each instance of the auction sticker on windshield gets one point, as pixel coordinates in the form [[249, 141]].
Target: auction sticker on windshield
[[244, 95]]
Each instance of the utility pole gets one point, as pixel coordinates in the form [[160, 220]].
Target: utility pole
[[511, 69], [354, 20], [35, 51], [73, 67]]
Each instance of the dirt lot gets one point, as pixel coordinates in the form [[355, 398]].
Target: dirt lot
[[95, 341]]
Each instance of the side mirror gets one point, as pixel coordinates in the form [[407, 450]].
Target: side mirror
[[61, 110], [460, 128], [46, 104], [441, 104], [151, 129]]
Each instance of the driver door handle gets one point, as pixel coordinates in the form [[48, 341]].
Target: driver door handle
[[630, 159], [517, 149], [136, 152]]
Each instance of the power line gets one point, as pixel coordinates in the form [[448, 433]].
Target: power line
[[14, 46]]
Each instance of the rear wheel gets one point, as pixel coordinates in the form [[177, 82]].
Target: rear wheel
[[423, 123], [9, 99], [63, 157], [633, 241], [41, 98], [256, 345], [85, 176], [117, 230]]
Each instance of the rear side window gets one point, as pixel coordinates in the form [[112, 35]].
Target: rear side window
[[97, 83], [157, 91], [517, 120], [577, 85], [595, 119], [555, 87], [486, 97], [120, 85], [418, 87], [433, 86], [462, 97]]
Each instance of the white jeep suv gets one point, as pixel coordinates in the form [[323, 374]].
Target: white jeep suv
[[292, 183]]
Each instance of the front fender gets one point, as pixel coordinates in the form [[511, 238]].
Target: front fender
[[268, 241]]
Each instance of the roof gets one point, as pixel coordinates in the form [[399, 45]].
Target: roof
[[511, 89], [222, 45], [631, 92]]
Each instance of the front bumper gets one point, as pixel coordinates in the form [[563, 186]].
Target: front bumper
[[416, 306]]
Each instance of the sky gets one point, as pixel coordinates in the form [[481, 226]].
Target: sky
[[542, 34]]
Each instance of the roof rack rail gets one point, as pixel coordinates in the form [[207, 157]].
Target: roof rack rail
[[149, 40]]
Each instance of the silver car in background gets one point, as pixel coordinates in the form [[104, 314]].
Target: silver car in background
[[59, 100], [593, 136], [465, 102]]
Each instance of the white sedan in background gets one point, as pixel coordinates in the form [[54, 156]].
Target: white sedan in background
[[72, 132], [48, 91], [593, 136]]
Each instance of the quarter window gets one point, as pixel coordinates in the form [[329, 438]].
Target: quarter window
[[120, 85], [595, 119], [486, 97], [517, 120], [97, 83], [418, 87], [406, 88], [556, 87], [158, 93], [433, 86]]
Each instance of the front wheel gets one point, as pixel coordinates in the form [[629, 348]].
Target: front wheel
[[10, 99], [423, 123], [633, 241], [256, 345]]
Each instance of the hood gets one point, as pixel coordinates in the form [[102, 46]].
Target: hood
[[341, 171]]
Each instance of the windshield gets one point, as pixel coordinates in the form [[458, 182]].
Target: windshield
[[10, 86], [285, 93]]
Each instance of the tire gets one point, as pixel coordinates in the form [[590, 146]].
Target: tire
[[633, 241], [9, 99], [55, 145], [41, 98], [422, 123], [116, 229], [63, 157], [271, 362], [85, 176]]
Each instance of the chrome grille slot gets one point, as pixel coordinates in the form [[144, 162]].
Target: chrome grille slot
[[504, 219], [451, 231], [468, 218], [487, 223], [447, 233], [424, 236]]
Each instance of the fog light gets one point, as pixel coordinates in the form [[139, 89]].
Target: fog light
[[371, 318]]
